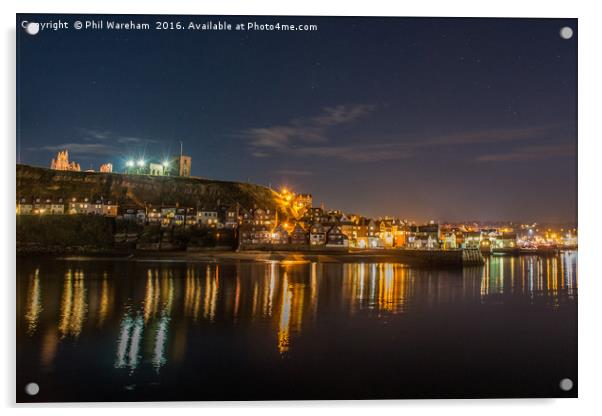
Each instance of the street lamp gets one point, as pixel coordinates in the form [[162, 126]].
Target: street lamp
[[141, 162], [129, 163]]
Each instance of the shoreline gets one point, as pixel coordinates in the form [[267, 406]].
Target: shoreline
[[430, 258], [446, 258]]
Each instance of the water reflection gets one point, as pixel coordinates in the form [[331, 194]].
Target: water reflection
[[34, 304], [74, 304], [547, 279], [148, 313]]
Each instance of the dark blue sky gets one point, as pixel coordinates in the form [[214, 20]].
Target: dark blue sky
[[419, 118]]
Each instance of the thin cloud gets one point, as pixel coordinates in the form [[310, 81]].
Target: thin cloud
[[107, 135], [260, 154], [90, 134], [309, 137], [342, 114], [486, 136], [80, 148], [529, 153], [306, 130], [130, 140], [360, 153], [287, 172], [91, 142]]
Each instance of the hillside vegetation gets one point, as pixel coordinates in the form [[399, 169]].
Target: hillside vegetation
[[141, 189], [54, 231]]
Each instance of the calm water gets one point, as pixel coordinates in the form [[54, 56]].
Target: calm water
[[118, 330]]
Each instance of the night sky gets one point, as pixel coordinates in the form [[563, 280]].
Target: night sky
[[450, 119]]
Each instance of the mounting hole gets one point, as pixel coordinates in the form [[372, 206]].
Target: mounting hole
[[566, 384], [32, 389], [32, 28], [566, 32]]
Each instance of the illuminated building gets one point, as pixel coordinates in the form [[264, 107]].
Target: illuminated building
[[109, 208], [78, 205], [336, 238], [373, 230], [167, 215], [302, 202], [24, 206], [232, 216], [106, 168], [62, 162], [449, 240], [156, 169], [317, 235], [95, 207], [506, 240], [180, 166], [254, 234], [185, 216], [154, 216], [298, 235], [208, 217], [424, 242], [279, 235], [191, 217], [54, 206]]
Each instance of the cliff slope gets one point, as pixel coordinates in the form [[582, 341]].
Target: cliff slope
[[141, 189]]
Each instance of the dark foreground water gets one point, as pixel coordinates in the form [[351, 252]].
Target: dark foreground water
[[116, 330]]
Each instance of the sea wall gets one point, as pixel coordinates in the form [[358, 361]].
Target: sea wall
[[458, 257], [430, 258], [64, 233]]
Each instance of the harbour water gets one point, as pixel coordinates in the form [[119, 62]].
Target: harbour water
[[107, 329]]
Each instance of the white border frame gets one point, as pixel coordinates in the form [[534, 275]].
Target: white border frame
[[590, 68]]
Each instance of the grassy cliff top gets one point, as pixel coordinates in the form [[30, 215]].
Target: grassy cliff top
[[129, 189]]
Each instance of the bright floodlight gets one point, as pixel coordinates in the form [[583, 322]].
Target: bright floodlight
[[141, 162], [165, 164], [129, 163]]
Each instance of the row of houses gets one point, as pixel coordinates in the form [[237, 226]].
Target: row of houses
[[373, 234], [61, 206], [261, 225], [214, 217], [317, 235], [333, 232]]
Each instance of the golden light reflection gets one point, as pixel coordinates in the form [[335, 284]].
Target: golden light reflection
[[211, 292], [530, 276], [50, 344], [73, 304], [154, 324], [385, 287], [285, 317], [106, 300], [192, 294], [268, 297], [314, 285], [167, 291], [236, 298], [255, 301], [34, 303], [152, 294]]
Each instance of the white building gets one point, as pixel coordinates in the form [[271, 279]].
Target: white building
[[207, 218]]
